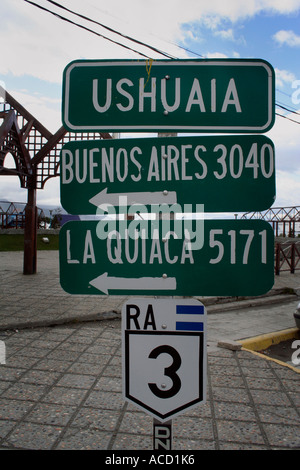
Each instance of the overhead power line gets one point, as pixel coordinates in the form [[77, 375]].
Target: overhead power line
[[111, 29], [154, 49], [287, 109], [136, 41], [290, 108], [166, 54], [84, 27], [285, 117]]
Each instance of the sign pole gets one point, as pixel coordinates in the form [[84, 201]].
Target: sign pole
[[165, 134], [162, 432]]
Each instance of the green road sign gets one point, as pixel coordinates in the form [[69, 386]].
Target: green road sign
[[185, 258], [211, 95], [224, 173]]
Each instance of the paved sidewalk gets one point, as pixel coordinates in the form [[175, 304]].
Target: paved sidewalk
[[60, 387]]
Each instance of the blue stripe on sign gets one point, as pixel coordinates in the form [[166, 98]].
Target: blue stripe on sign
[[190, 309], [189, 325]]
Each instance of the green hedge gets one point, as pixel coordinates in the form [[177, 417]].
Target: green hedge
[[16, 242]]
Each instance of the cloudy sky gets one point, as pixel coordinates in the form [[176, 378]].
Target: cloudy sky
[[37, 46]]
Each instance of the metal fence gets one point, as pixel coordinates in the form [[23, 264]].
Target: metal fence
[[287, 257]]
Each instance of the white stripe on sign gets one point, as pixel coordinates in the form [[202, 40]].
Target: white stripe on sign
[[187, 317]]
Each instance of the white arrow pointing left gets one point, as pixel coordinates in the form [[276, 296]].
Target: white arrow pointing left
[[104, 199], [104, 283]]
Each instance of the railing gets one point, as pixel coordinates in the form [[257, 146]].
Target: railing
[[12, 221], [287, 257]]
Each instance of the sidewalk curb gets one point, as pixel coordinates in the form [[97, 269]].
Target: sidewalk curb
[[111, 315], [261, 342], [248, 303], [221, 305]]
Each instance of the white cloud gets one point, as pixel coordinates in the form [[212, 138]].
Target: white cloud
[[211, 21], [286, 137], [230, 35], [41, 45], [50, 196], [216, 55], [284, 77], [235, 10], [287, 37], [11, 190], [226, 34], [43, 108], [287, 188]]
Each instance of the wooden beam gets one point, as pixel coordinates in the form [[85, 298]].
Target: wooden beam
[[26, 129], [30, 233], [26, 114], [6, 125], [53, 140], [9, 124]]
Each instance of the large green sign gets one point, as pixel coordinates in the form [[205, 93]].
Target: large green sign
[[163, 257], [224, 173], [211, 95]]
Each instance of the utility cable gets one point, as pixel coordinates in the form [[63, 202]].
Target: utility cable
[[110, 29], [286, 109], [85, 28], [285, 117], [130, 39]]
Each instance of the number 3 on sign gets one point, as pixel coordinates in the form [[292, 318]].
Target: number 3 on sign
[[169, 372]]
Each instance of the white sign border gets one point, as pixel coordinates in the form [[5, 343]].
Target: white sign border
[[201, 399], [85, 63]]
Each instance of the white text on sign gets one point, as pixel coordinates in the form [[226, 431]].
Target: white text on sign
[[195, 98], [166, 163]]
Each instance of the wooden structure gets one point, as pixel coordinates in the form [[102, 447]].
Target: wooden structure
[[12, 215], [36, 153]]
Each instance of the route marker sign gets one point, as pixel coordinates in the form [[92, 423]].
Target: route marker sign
[[224, 173], [164, 355], [211, 95], [167, 257]]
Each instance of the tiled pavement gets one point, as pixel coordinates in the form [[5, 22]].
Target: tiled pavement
[[60, 387]]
